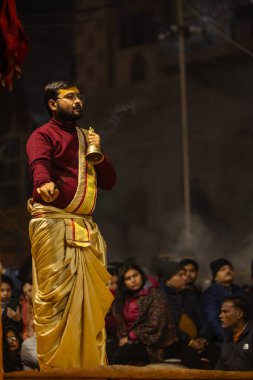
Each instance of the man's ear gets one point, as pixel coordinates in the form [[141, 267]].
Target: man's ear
[[239, 314], [52, 105]]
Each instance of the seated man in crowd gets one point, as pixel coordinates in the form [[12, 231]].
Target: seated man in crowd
[[191, 298], [194, 345], [191, 268], [237, 349], [221, 287]]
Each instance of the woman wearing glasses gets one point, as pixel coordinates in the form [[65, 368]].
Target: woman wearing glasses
[[11, 350]]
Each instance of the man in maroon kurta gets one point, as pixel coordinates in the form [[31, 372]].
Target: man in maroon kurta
[[53, 157], [67, 248]]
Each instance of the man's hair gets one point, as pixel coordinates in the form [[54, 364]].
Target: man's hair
[[51, 91], [188, 261], [122, 291], [6, 280], [241, 303]]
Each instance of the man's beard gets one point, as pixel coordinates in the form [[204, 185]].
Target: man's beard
[[67, 116]]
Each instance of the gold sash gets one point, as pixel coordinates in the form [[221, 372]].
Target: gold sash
[[85, 197]]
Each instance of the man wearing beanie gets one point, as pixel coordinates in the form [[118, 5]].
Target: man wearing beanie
[[221, 287], [191, 347], [173, 280]]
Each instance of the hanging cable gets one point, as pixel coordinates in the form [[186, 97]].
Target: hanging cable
[[219, 31]]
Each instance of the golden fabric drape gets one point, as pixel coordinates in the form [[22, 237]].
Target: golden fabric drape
[[71, 298]]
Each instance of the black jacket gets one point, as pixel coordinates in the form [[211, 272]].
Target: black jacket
[[237, 356], [187, 302], [191, 305]]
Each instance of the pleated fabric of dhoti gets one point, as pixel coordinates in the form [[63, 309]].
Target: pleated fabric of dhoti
[[71, 298]]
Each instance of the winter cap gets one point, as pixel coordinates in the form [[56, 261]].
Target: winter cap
[[217, 264], [170, 269], [187, 261]]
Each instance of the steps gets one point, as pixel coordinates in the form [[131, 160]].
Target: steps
[[119, 372]]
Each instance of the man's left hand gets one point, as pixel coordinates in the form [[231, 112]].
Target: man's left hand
[[94, 138]]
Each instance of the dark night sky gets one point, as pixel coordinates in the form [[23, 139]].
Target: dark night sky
[[217, 89]]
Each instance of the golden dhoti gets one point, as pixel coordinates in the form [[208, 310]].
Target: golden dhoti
[[71, 298]]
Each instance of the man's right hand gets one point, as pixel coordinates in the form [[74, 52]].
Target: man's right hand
[[123, 341], [198, 344], [48, 192]]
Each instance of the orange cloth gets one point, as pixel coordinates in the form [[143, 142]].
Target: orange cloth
[[187, 325], [236, 336]]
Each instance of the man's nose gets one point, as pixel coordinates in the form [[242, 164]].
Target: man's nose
[[77, 100]]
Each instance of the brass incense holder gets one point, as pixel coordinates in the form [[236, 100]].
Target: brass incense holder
[[94, 155]]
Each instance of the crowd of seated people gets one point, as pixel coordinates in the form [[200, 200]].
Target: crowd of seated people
[[168, 317], [17, 323], [158, 318]]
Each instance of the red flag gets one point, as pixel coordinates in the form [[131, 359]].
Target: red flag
[[13, 44]]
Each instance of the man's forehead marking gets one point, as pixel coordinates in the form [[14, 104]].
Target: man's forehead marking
[[65, 91]]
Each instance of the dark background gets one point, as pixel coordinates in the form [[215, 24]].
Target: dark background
[[124, 56]]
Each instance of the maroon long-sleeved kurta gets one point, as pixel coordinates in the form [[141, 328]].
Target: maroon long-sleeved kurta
[[52, 151]]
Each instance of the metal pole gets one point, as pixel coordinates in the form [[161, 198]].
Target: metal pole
[[184, 121]]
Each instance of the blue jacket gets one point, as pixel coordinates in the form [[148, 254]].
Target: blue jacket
[[212, 300]]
